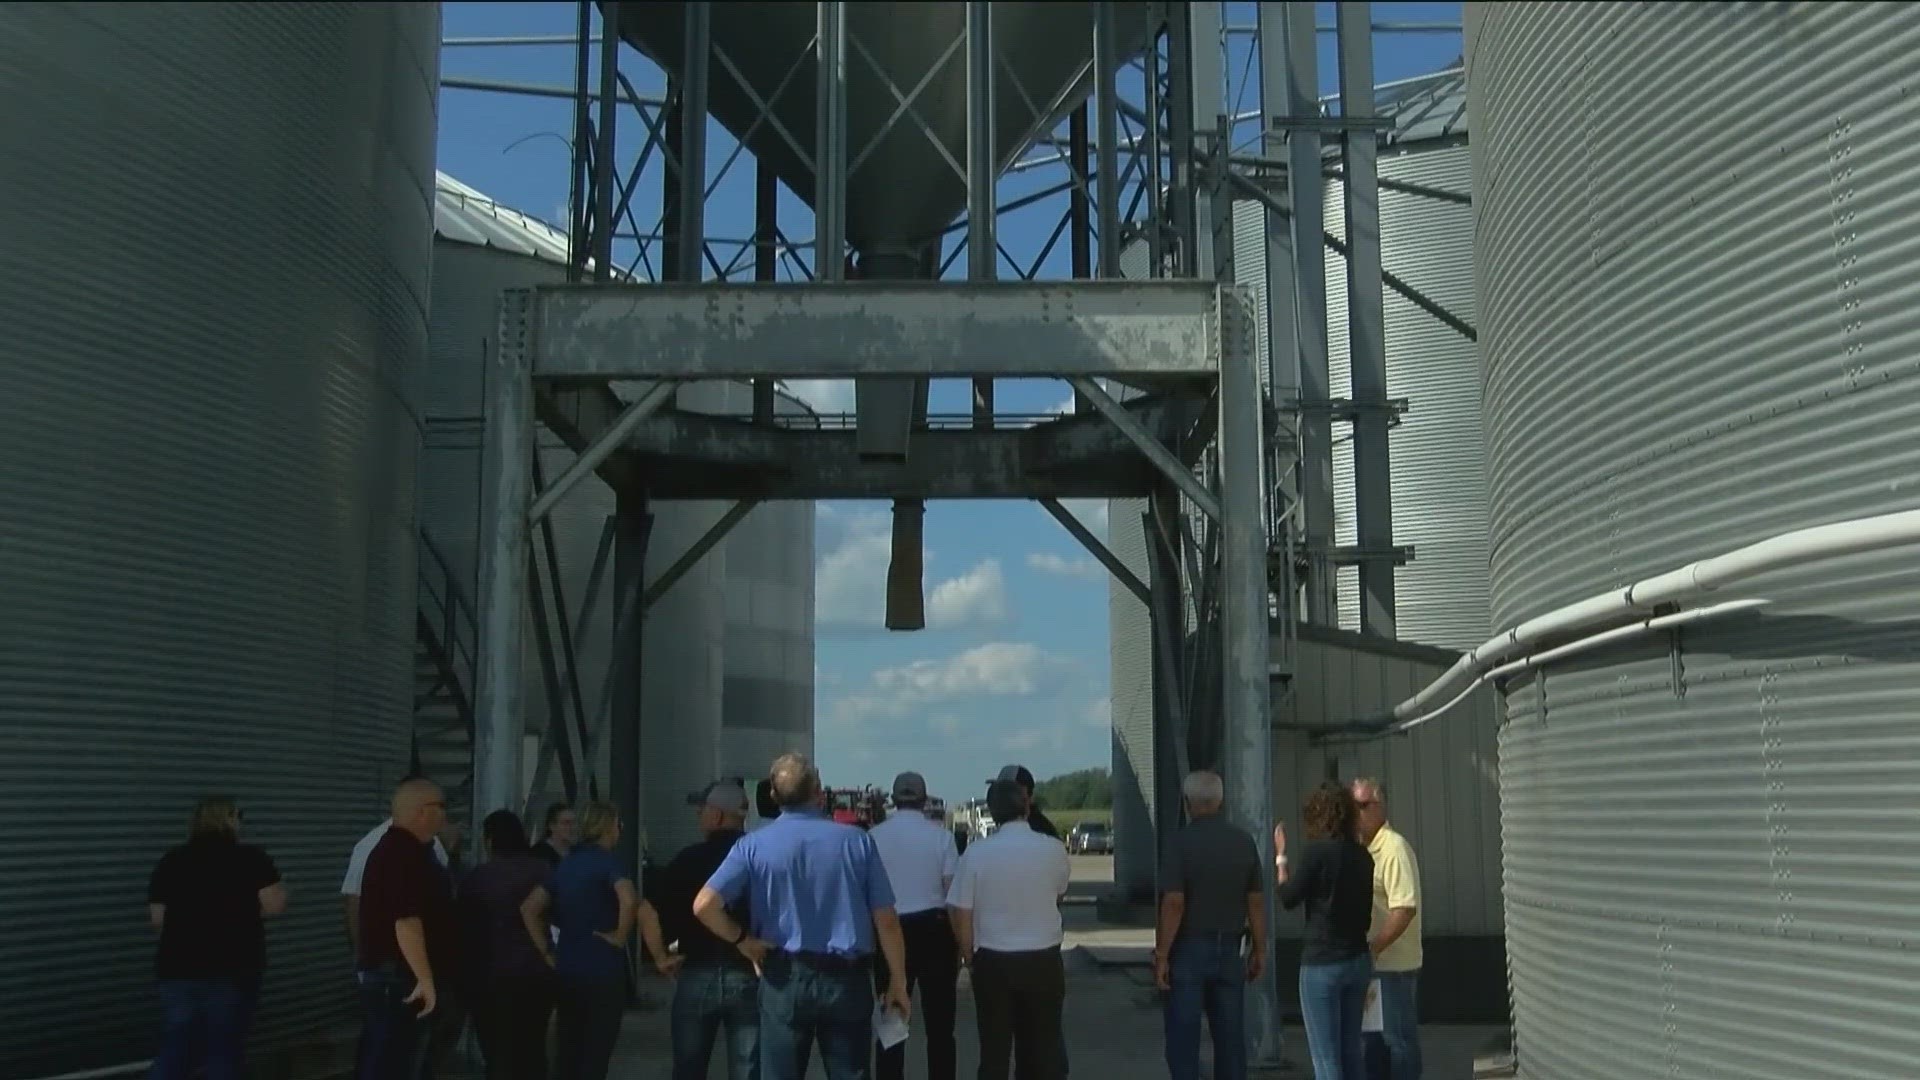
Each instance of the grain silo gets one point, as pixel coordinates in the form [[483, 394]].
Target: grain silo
[[1438, 461], [214, 288], [727, 656], [1697, 309]]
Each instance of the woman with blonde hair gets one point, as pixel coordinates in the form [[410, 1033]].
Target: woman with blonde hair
[[1334, 879], [209, 899]]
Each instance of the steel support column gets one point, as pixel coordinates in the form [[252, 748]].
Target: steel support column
[[983, 244], [766, 260], [506, 479], [633, 523], [603, 144], [1168, 624], [1106, 127], [1366, 323], [1305, 189], [1245, 684], [830, 148], [697, 54]]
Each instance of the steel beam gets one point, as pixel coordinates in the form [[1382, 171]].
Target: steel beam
[[1366, 320], [1106, 127], [696, 65], [1098, 550], [1305, 191], [1212, 128], [506, 479], [1245, 685], [695, 552], [620, 695], [830, 148], [983, 243], [603, 146], [867, 328], [603, 446], [1156, 452]]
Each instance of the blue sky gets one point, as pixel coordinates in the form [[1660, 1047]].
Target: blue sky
[[1013, 666]]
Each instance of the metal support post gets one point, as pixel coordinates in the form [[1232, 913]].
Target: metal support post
[[603, 447], [579, 247], [766, 260], [983, 244], [506, 479], [1162, 458], [1106, 122], [1366, 322], [1211, 128], [1283, 343], [830, 151], [603, 147], [632, 525], [1245, 685], [1156, 223], [697, 57], [1180, 134], [1169, 627], [1079, 216], [1310, 312]]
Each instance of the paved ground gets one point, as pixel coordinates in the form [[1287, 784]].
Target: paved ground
[[1112, 1014]]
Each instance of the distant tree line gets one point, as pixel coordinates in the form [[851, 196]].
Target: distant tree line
[[1082, 789]]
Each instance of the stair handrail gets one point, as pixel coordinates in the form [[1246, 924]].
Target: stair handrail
[[458, 625]]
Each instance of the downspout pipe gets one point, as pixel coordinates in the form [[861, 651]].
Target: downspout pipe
[[1646, 598]]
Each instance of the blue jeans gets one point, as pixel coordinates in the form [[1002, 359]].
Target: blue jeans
[[711, 995], [1394, 1052], [394, 1041], [203, 1027], [807, 998], [1209, 978], [1333, 997]]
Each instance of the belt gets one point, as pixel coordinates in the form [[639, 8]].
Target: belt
[[842, 961], [931, 913]]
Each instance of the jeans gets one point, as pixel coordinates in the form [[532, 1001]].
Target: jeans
[[203, 1027], [933, 968], [807, 998], [394, 1037], [711, 995], [1209, 977], [510, 1017], [1018, 996], [1394, 1052], [590, 1011], [1333, 997]]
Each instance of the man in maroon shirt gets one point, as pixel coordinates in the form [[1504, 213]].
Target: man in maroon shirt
[[408, 937]]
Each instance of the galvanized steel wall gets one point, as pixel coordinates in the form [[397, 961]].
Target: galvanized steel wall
[[1130, 676], [1695, 231], [1438, 450], [213, 283]]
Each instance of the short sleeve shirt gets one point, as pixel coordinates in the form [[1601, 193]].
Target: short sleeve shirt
[[811, 883], [213, 928], [585, 904], [1396, 884], [404, 880], [1213, 865]]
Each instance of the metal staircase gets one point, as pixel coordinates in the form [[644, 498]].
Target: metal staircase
[[445, 655]]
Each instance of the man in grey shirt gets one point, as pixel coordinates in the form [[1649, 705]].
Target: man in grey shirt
[[1211, 900]]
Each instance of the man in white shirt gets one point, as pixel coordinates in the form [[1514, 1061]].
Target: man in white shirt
[[1006, 913], [920, 858]]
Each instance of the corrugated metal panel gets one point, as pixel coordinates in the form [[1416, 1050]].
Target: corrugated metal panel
[[1442, 781], [214, 293], [1695, 228]]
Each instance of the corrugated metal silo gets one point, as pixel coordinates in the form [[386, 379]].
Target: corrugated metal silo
[[1438, 450], [214, 288], [1697, 306]]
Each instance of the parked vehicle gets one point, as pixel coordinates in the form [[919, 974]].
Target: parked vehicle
[[1090, 838]]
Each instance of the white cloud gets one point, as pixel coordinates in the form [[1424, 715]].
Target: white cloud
[[1048, 563], [850, 579], [975, 598], [996, 669]]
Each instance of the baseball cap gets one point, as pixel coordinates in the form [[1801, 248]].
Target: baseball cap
[[725, 795], [1017, 774], [909, 787]]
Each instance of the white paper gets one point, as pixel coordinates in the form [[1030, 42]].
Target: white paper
[[889, 1027], [1372, 1019]]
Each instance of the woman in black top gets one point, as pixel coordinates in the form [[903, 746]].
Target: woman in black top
[[509, 983], [208, 898], [1334, 879]]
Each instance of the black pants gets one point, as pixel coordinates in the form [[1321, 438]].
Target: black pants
[[1018, 996], [589, 1011], [933, 966], [510, 1018]]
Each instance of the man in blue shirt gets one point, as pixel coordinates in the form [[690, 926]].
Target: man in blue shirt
[[819, 900]]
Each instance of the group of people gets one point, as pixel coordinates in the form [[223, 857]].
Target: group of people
[[802, 933]]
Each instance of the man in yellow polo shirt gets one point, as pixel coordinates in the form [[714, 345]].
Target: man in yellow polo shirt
[[1395, 936]]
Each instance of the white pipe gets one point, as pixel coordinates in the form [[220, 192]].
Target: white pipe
[[1694, 579]]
